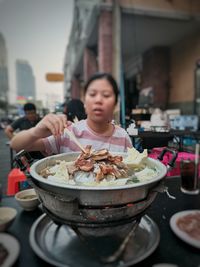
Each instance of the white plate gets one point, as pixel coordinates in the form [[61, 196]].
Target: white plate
[[181, 234], [12, 245]]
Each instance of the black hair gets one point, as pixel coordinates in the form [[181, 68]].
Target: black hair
[[29, 106], [104, 76], [75, 108]]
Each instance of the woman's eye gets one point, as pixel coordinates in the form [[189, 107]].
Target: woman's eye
[[106, 96], [91, 94]]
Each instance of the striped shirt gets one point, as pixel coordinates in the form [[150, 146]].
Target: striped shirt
[[119, 141]]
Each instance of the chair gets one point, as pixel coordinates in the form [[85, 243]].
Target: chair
[[14, 177]]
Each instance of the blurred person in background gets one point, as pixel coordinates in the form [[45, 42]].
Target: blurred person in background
[[29, 120], [74, 110]]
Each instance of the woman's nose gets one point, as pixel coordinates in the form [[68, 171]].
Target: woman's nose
[[98, 98]]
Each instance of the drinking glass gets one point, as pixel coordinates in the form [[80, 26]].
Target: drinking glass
[[189, 177]]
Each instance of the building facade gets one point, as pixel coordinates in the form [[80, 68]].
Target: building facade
[[144, 44], [25, 80]]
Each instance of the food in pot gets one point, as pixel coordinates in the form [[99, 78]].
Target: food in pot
[[190, 224], [135, 158], [101, 168]]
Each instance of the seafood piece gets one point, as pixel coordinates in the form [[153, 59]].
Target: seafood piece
[[85, 164]]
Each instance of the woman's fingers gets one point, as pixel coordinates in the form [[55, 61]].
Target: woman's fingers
[[51, 126], [61, 123], [52, 123], [56, 123]]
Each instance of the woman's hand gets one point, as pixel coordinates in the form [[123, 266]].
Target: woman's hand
[[51, 124], [31, 139]]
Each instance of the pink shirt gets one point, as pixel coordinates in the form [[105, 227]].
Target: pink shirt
[[117, 142]]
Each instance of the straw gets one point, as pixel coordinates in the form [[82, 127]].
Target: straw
[[196, 164], [197, 153]]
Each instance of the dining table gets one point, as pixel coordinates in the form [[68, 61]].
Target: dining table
[[171, 249], [151, 138]]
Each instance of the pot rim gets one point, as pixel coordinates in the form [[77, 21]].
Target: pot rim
[[162, 168]]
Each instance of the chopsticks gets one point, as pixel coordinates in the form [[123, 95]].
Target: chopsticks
[[73, 137]]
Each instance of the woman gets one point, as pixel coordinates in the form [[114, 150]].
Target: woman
[[48, 136]]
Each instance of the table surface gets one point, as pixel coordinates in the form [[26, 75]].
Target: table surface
[[170, 249], [151, 139], [195, 134]]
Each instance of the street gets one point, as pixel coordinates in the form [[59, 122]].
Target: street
[[4, 161]]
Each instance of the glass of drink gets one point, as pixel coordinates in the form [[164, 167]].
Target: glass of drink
[[189, 177]]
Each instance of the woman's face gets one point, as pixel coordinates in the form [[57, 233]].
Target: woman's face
[[100, 101]]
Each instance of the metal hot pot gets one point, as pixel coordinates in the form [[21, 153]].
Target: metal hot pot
[[97, 211]]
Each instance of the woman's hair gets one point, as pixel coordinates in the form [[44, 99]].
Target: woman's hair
[[75, 108], [104, 76]]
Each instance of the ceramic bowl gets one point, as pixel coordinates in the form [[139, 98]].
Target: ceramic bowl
[[27, 199], [7, 216]]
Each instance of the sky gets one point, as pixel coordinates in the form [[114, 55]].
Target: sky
[[37, 31]]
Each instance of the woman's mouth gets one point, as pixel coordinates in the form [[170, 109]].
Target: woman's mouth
[[98, 111]]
